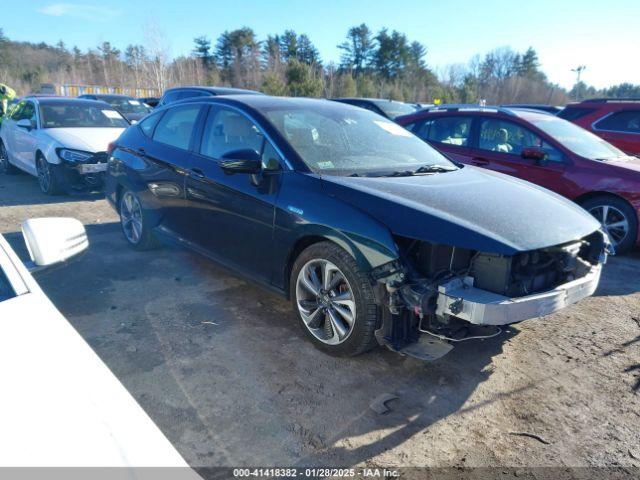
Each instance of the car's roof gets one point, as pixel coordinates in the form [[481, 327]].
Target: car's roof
[[528, 114], [109, 95], [217, 90], [266, 102], [54, 100], [607, 103], [366, 99]]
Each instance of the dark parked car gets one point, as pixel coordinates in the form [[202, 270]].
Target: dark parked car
[[180, 93], [151, 101], [545, 150], [374, 235], [552, 109], [615, 120], [387, 108], [130, 108]]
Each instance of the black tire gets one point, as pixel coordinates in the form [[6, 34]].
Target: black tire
[[617, 206], [144, 239], [6, 167], [367, 313], [50, 177]]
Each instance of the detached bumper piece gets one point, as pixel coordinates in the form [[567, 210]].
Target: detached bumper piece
[[460, 299]]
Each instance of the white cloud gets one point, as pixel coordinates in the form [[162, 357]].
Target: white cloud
[[86, 12]]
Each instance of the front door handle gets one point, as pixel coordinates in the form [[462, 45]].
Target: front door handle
[[196, 173]]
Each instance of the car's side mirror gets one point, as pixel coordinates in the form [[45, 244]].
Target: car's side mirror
[[26, 123], [51, 241], [536, 154], [241, 161]]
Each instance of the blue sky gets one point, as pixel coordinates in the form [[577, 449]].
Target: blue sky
[[566, 33]]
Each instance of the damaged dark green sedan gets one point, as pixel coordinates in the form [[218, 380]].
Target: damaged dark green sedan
[[375, 236]]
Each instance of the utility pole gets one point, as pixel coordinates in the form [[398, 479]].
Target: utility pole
[[578, 70]]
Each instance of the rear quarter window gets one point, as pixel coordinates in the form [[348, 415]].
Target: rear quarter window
[[574, 113], [626, 121]]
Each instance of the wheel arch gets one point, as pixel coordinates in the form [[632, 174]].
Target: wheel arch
[[367, 253]]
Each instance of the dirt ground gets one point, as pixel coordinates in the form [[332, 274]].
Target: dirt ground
[[222, 368]]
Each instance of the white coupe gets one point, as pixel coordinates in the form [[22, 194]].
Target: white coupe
[[62, 141]]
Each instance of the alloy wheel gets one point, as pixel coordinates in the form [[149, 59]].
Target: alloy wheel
[[131, 217], [325, 301], [44, 174], [613, 221]]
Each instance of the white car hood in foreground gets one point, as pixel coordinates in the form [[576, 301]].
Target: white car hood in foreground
[[87, 139], [60, 405]]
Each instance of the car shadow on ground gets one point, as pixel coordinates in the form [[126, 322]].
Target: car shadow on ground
[[29, 193], [616, 274]]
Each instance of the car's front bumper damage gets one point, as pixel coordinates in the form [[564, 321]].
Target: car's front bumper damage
[[88, 174], [436, 295], [480, 307]]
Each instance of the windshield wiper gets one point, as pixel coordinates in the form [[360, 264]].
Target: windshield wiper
[[421, 170]]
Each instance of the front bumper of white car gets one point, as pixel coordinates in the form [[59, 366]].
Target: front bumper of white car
[[460, 299]]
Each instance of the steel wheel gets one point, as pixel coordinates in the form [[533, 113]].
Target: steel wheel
[[44, 174], [131, 217], [325, 301], [614, 222]]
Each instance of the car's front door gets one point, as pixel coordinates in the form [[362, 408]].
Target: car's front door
[[232, 214], [25, 139], [449, 134], [166, 158], [500, 144]]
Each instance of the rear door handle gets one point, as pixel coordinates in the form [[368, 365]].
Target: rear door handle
[[141, 151], [196, 173]]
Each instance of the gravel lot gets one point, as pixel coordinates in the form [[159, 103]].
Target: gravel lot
[[220, 365]]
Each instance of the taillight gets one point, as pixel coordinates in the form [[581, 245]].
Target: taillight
[[111, 147]]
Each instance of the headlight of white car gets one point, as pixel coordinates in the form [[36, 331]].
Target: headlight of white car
[[73, 155]]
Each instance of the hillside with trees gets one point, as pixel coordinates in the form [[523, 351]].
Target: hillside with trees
[[385, 64]]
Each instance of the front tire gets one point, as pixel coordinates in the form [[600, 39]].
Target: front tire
[[50, 177], [6, 167], [135, 227], [334, 300], [618, 219]]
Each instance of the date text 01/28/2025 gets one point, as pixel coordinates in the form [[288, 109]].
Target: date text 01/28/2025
[[317, 472]]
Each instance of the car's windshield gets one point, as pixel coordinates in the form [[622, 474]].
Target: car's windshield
[[80, 114], [577, 139], [126, 104], [340, 140], [395, 109]]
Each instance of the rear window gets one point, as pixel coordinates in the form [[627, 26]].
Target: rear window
[[80, 115], [573, 113], [626, 121]]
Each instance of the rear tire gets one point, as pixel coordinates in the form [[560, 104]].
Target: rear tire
[[339, 312], [135, 227], [50, 177], [618, 219], [6, 167]]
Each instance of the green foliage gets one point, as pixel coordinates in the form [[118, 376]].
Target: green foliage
[[301, 80], [346, 86], [272, 85]]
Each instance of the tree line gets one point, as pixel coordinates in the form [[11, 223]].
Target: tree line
[[385, 64]]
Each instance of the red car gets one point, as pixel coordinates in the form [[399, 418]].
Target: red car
[[545, 150], [615, 120]]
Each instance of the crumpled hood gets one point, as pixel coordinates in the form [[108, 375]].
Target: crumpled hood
[[86, 139], [468, 208]]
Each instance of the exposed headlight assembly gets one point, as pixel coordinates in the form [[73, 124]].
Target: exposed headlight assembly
[[73, 155]]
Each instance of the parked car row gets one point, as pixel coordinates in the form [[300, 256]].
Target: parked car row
[[377, 233]]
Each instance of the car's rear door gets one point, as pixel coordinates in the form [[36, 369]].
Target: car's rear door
[[232, 214], [621, 129], [450, 134], [500, 142], [166, 158]]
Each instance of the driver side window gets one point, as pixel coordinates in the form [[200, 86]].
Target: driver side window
[[226, 131]]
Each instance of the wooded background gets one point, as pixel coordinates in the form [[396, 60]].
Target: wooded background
[[385, 64]]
